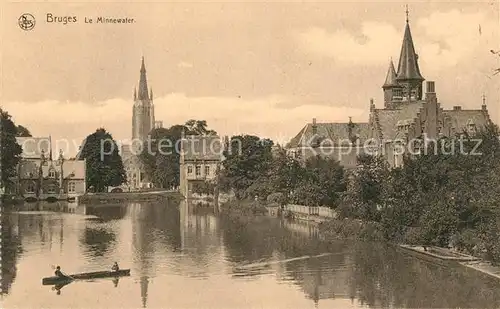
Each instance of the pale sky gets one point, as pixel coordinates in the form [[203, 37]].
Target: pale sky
[[254, 68]]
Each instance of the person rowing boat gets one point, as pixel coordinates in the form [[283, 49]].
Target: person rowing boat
[[60, 274], [115, 267]]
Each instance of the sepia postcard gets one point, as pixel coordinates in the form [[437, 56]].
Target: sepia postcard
[[250, 154]]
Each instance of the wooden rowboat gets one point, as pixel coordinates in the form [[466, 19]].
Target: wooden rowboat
[[84, 276]]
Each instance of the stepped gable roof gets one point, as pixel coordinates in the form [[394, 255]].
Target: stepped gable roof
[[72, 169], [388, 118]]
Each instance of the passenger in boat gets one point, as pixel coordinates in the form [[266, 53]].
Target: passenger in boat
[[115, 267], [58, 272]]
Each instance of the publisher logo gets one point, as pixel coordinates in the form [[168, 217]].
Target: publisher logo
[[26, 22]]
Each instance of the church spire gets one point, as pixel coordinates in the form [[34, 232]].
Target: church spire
[[390, 79], [408, 68], [143, 84]]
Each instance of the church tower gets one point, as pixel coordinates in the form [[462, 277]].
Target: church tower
[[143, 115], [405, 85]]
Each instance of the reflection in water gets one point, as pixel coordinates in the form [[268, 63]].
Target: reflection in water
[[10, 250], [144, 290], [58, 287], [97, 241], [107, 213], [207, 260]]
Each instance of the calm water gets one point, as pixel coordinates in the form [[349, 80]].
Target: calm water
[[183, 256]]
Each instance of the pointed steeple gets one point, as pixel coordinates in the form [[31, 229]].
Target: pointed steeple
[[390, 79], [50, 147], [143, 84], [408, 68], [135, 93]]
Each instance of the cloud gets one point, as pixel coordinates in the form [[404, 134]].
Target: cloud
[[185, 65], [443, 39], [449, 38], [381, 39], [264, 116]]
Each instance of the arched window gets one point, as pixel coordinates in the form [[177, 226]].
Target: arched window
[[52, 173]]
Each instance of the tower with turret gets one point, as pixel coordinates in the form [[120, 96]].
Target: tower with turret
[[405, 84], [143, 115]]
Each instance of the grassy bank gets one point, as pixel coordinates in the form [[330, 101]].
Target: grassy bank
[[116, 198], [351, 229]]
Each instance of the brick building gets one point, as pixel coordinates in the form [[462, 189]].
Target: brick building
[[41, 177], [407, 114]]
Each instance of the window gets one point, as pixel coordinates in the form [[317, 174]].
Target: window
[[471, 126], [30, 188], [52, 173], [396, 160], [198, 170], [51, 189], [207, 170], [71, 187], [190, 169]]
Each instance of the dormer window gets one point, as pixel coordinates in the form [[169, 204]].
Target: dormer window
[[52, 173]]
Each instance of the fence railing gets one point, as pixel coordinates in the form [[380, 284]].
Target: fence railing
[[315, 211]]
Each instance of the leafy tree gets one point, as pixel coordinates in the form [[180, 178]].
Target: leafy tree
[[365, 196], [23, 131], [104, 164], [247, 158], [11, 150], [328, 174], [162, 158], [198, 127]]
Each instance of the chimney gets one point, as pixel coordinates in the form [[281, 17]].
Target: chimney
[[314, 127], [483, 107], [457, 108], [430, 91]]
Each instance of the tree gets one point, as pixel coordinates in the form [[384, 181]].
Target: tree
[[104, 164], [162, 158], [23, 131], [366, 191], [198, 127], [10, 149], [247, 158]]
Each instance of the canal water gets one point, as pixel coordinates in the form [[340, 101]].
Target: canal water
[[187, 256]]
